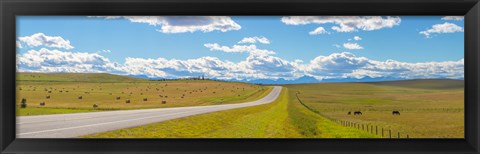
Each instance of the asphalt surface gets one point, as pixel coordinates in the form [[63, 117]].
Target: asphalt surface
[[78, 124]]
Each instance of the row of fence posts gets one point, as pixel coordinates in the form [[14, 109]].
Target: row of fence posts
[[370, 129], [358, 126]]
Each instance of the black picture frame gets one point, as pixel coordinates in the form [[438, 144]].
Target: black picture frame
[[11, 8]]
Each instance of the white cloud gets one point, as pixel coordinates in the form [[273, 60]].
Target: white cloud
[[346, 23], [183, 24], [255, 66], [442, 28], [352, 46], [254, 40], [40, 39], [252, 49], [19, 45], [357, 38], [343, 65], [45, 60], [319, 30], [104, 51], [457, 18]]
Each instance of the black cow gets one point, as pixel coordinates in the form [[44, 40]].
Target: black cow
[[95, 106], [357, 113], [42, 103], [349, 113], [127, 101], [395, 113]]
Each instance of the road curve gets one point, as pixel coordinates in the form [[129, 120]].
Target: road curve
[[78, 124]]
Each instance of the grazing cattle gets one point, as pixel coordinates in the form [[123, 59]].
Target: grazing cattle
[[42, 103], [48, 97], [61, 90], [395, 113], [141, 93], [166, 96], [145, 99], [127, 101], [66, 91], [118, 97], [49, 91], [164, 102], [80, 97], [357, 113], [95, 106], [349, 113]]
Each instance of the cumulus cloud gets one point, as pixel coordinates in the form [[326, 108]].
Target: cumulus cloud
[[457, 18], [357, 38], [352, 46], [442, 28], [46, 60], [104, 51], [345, 23], [319, 30], [345, 64], [252, 49], [183, 24], [40, 39], [19, 45], [254, 40], [255, 66]]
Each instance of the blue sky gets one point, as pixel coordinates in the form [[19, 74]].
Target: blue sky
[[171, 47]]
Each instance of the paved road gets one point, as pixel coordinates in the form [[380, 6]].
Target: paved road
[[78, 124]]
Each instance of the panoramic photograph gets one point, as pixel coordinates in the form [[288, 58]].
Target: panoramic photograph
[[385, 77]]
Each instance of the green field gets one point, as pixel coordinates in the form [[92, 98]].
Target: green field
[[103, 89], [429, 108]]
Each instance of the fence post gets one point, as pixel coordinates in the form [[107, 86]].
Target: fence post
[[367, 127], [398, 134], [382, 132], [390, 133], [408, 136]]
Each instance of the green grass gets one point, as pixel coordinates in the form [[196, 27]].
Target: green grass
[[426, 112], [279, 119], [177, 93], [44, 111]]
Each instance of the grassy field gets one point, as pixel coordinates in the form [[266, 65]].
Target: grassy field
[[429, 108], [64, 91], [284, 118]]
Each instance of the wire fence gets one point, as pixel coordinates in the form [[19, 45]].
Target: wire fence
[[370, 128]]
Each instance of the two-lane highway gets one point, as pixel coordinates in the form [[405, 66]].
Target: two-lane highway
[[78, 124]]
